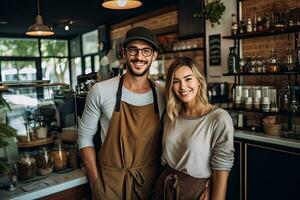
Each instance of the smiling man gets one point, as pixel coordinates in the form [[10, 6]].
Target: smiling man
[[129, 109]]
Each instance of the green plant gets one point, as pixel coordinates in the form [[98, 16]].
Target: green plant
[[212, 11], [5, 131]]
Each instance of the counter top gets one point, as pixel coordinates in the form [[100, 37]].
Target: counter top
[[62, 182], [261, 137]]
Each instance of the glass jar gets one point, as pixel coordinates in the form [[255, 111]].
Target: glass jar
[[232, 60], [238, 102], [41, 129], [72, 156], [273, 62], [60, 157], [248, 103], [44, 162], [265, 104], [26, 166]]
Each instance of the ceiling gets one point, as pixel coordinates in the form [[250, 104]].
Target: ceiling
[[17, 15]]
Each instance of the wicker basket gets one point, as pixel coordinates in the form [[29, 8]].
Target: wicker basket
[[272, 129]]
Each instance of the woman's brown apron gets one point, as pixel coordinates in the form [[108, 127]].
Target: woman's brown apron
[[173, 185], [129, 159]]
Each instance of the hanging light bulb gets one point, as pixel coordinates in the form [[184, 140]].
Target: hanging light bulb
[[122, 3], [39, 28], [67, 27]]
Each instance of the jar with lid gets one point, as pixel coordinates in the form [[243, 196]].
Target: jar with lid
[[248, 103], [60, 157], [72, 156], [44, 162], [26, 166], [238, 102], [265, 104], [41, 129], [273, 62], [232, 60]]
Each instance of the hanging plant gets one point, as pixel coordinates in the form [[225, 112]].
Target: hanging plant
[[212, 11]]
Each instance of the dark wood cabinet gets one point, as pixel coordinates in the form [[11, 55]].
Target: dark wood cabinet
[[271, 173], [82, 192], [234, 190], [264, 171]]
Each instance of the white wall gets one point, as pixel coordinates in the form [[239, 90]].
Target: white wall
[[214, 73]]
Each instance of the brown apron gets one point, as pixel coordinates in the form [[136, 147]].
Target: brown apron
[[174, 185], [129, 159]]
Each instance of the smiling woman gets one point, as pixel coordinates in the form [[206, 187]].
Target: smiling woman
[[197, 138]]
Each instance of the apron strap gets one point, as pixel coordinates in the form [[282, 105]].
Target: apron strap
[[156, 109], [119, 94]]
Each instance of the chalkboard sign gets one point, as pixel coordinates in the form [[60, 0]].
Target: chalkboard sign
[[215, 49]]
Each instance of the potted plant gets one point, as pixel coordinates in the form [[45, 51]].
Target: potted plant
[[5, 131], [212, 11]]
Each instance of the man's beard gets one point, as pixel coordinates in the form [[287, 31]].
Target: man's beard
[[131, 71]]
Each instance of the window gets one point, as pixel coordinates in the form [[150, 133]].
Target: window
[[88, 64], [56, 70], [18, 70], [90, 42], [19, 47], [96, 63], [76, 69], [75, 47], [58, 48]]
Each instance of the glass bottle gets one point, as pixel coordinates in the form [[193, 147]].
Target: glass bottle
[[232, 60], [234, 25], [259, 24], [249, 26], [298, 54], [273, 62], [254, 20], [289, 61]]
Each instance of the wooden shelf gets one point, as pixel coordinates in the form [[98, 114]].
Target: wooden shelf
[[183, 50], [37, 142], [256, 74], [270, 32], [267, 113]]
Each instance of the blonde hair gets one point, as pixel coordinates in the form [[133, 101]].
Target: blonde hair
[[174, 105]]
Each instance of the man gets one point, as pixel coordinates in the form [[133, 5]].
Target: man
[[129, 109]]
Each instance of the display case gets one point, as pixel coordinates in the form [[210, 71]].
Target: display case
[[38, 110]]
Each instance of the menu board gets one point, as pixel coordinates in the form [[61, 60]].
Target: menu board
[[214, 49]]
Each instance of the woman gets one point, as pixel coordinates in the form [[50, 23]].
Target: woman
[[197, 140]]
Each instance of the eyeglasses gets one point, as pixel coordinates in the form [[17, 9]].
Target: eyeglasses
[[133, 51]]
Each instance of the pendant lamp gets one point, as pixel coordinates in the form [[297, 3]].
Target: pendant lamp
[[121, 4], [39, 28]]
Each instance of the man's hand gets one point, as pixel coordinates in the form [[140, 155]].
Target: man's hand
[[88, 157]]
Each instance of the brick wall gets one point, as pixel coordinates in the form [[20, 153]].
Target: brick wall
[[262, 46], [161, 21]]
